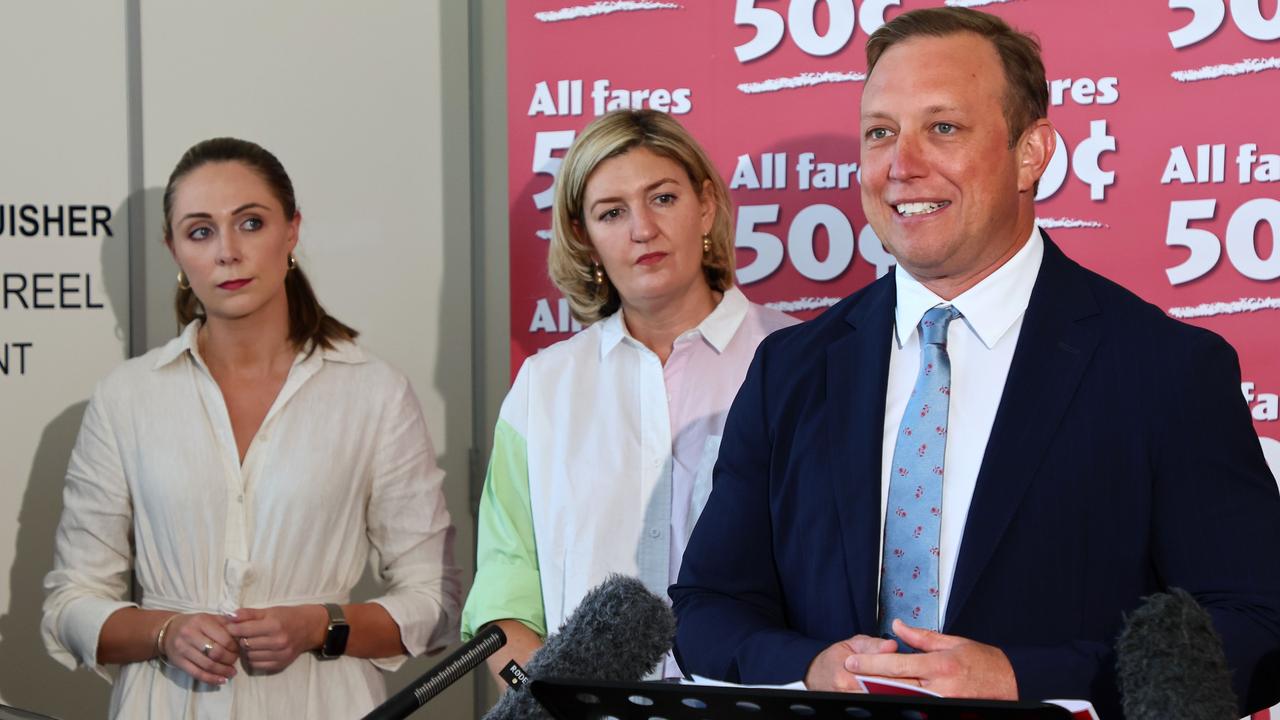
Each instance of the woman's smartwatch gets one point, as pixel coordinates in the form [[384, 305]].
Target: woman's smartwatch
[[335, 636]]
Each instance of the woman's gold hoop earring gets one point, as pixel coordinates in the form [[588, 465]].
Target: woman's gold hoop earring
[[182, 281], [706, 244], [293, 261]]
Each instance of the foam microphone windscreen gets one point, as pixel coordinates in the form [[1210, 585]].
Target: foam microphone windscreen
[[619, 632], [1170, 662]]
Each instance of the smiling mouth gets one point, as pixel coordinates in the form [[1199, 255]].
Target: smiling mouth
[[912, 209]]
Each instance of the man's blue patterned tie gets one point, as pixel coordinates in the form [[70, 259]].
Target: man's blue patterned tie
[[913, 517]]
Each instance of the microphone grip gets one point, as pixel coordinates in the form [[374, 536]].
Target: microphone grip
[[447, 672]]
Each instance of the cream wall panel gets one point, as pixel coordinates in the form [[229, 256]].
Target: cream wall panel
[[64, 143]]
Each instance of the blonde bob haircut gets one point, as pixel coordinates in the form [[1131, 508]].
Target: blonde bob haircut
[[570, 261]]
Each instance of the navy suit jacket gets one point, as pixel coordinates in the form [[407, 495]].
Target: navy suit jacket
[[1122, 462]]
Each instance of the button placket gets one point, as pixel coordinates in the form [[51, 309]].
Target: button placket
[[235, 545], [656, 484]]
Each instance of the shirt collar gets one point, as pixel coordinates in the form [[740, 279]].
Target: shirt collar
[[989, 308], [343, 352], [717, 329], [172, 350]]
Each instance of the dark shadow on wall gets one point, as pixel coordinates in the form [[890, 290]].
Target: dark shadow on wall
[[29, 677]]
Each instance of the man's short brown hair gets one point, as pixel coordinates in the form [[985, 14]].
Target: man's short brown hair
[[1026, 97]]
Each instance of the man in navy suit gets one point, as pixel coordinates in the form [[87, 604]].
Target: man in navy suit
[[1089, 450]]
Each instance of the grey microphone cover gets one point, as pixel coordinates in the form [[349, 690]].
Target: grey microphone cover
[[620, 632], [1170, 662]]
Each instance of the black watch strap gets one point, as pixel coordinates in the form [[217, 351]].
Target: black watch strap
[[335, 636]]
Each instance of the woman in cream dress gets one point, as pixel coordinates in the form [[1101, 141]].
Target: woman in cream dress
[[243, 475]]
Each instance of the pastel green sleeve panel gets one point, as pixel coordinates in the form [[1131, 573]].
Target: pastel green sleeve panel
[[507, 583]]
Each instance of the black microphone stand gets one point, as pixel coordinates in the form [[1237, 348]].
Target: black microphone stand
[[447, 672]]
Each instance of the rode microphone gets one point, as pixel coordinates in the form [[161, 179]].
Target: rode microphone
[[445, 673]]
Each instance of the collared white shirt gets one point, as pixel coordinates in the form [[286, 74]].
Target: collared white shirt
[[340, 473], [980, 346], [609, 453]]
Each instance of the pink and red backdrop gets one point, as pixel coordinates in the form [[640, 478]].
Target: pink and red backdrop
[[1166, 179]]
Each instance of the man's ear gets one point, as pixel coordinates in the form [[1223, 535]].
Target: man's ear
[[1035, 150]]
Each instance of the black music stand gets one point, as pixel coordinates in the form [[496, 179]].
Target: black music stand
[[13, 713], [598, 700]]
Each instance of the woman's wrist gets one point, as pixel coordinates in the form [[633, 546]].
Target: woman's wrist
[[320, 627], [159, 642]]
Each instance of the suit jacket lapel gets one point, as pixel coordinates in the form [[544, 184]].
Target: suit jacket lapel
[[1054, 348], [857, 377]]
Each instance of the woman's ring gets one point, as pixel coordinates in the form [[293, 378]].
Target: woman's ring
[[208, 648]]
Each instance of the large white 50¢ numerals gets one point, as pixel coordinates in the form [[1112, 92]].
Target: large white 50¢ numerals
[[1208, 16], [1206, 248], [771, 27]]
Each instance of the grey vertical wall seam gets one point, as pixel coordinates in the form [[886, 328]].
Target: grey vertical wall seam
[[479, 286], [479, 418], [475, 36], [136, 200]]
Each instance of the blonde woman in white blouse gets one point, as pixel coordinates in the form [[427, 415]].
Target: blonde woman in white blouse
[[603, 451], [243, 474]]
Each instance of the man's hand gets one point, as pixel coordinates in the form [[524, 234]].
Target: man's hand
[[948, 665], [272, 638], [828, 670]]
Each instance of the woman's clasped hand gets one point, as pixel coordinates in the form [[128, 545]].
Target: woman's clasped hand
[[210, 647]]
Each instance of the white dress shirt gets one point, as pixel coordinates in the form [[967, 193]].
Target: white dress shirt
[[614, 452], [340, 474], [980, 346]]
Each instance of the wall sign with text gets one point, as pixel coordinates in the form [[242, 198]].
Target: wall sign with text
[[1166, 177]]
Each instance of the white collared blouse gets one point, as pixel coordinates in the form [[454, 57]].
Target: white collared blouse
[[602, 463]]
